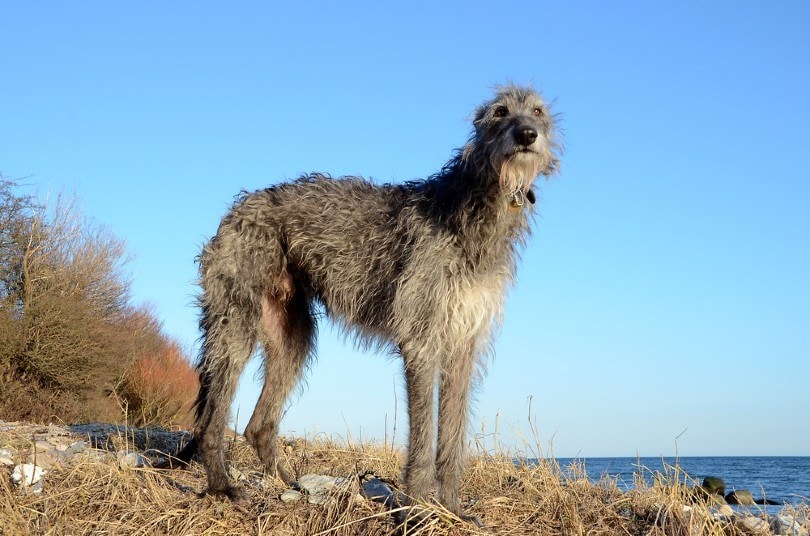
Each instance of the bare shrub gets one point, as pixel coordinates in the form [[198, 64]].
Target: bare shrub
[[67, 331]]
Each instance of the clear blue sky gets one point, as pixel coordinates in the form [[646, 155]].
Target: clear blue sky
[[667, 284]]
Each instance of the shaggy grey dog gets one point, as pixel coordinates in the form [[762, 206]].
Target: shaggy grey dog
[[420, 267]]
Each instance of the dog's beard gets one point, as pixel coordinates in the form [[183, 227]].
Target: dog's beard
[[518, 171]]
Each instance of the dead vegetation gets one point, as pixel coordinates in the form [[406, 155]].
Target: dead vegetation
[[72, 345], [94, 495]]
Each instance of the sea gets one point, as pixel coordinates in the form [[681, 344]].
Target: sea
[[783, 479]]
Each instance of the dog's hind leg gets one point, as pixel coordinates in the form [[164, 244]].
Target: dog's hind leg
[[229, 339], [286, 334]]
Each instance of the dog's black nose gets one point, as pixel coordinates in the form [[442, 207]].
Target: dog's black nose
[[525, 135]]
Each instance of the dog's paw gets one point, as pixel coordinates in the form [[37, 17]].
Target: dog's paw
[[236, 494]]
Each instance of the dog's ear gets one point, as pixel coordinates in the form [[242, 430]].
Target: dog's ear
[[530, 196]]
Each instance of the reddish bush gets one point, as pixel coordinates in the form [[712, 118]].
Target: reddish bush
[[160, 387]]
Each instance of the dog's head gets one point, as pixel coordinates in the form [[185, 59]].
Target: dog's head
[[515, 135]]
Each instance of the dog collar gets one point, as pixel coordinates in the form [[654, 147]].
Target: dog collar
[[519, 198]]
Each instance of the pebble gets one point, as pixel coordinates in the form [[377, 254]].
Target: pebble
[[236, 474], [375, 489], [752, 525], [788, 525], [77, 447], [291, 495], [27, 474], [725, 510], [130, 460], [51, 447], [318, 487], [6, 457]]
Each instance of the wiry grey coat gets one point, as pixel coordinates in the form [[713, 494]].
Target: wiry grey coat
[[422, 267]]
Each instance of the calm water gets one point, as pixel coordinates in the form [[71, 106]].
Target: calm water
[[782, 479]]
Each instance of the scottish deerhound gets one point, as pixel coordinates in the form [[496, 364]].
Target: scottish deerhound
[[421, 267]]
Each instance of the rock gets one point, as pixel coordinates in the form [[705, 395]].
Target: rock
[[55, 446], [701, 494], [236, 474], [262, 482], [714, 485], [725, 510], [291, 495], [109, 436], [47, 460], [740, 496], [77, 447], [785, 524], [130, 460], [36, 488], [319, 486], [375, 489], [7, 457], [98, 455], [27, 474], [752, 525]]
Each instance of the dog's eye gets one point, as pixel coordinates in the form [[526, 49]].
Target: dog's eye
[[538, 112], [501, 112]]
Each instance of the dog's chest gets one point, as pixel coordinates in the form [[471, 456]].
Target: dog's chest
[[473, 306]]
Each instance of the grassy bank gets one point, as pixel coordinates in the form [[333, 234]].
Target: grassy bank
[[93, 494]]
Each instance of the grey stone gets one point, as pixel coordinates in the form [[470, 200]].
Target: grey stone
[[77, 447], [714, 485], [27, 474], [725, 511], [46, 460], [98, 455], [740, 496], [130, 460], [752, 525], [236, 474], [36, 488], [318, 487], [785, 524], [7, 456], [291, 495], [375, 489]]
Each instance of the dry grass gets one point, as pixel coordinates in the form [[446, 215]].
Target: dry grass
[[93, 495]]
